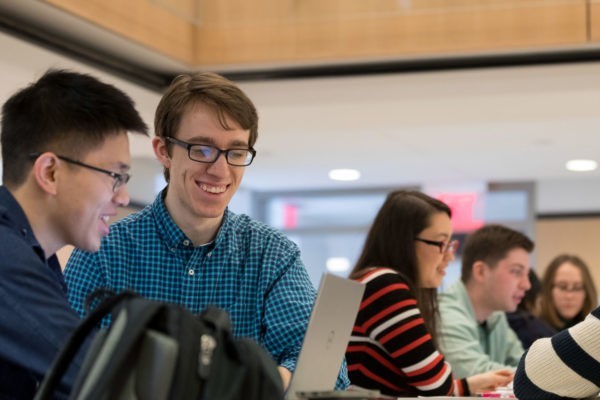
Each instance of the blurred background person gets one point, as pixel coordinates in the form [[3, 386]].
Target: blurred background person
[[393, 347], [568, 292], [525, 321], [474, 333]]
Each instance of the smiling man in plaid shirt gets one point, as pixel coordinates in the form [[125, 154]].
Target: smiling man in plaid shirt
[[187, 247]]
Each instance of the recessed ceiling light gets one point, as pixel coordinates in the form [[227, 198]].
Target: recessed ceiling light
[[344, 174], [338, 264], [581, 165]]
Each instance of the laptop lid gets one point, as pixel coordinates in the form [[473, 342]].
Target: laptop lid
[[327, 335]]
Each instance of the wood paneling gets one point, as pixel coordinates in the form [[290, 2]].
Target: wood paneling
[[580, 236], [594, 10], [313, 30], [239, 32], [147, 23]]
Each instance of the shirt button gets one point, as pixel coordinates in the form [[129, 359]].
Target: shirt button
[[24, 232], [209, 254], [191, 272], [172, 249], [186, 242]]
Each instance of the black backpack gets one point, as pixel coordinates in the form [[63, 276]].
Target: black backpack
[[159, 351]]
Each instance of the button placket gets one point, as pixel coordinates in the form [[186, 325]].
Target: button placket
[[195, 262]]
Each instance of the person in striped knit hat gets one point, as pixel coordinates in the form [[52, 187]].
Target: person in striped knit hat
[[393, 347], [563, 366]]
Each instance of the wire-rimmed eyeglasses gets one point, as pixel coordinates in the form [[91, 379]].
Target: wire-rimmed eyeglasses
[[120, 179], [449, 246], [204, 153]]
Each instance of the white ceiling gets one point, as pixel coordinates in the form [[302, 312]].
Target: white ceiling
[[435, 128], [471, 125]]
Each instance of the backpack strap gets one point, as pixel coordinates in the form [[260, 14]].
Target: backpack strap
[[123, 336], [217, 318], [77, 338]]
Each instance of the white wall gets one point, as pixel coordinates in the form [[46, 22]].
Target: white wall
[[576, 195], [22, 62]]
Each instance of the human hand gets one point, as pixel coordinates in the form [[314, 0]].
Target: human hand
[[489, 381], [286, 376]]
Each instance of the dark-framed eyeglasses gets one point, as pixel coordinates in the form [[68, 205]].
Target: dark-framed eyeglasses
[[565, 287], [120, 179], [449, 246], [204, 153]]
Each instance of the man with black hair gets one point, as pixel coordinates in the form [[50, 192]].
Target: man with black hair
[[65, 162]]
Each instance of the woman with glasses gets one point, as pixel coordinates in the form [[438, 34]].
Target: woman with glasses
[[394, 342], [568, 292], [565, 365]]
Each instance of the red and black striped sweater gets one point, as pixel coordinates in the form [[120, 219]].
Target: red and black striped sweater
[[390, 348]]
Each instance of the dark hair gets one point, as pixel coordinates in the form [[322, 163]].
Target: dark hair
[[549, 312], [529, 301], [65, 112], [390, 243], [208, 88], [491, 244]]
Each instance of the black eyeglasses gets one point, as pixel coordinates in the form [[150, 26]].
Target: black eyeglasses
[[120, 179], [445, 247], [209, 154], [564, 287]]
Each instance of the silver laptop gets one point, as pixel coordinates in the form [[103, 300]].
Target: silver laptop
[[326, 338]]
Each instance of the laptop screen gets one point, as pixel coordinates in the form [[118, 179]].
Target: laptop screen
[[329, 329]]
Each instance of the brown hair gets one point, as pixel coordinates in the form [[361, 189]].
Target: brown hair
[[491, 244], [208, 88], [549, 312], [390, 243]]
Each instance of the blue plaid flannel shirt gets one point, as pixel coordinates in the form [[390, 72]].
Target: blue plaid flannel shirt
[[250, 269]]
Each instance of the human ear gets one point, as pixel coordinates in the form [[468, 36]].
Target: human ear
[[479, 270], [160, 150], [45, 172]]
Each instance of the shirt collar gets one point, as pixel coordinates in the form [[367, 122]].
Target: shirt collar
[[12, 213], [491, 321], [170, 232]]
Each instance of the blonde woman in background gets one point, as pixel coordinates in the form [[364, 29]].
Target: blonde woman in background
[[568, 292]]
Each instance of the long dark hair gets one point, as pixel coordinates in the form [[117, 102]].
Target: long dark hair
[[390, 243]]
